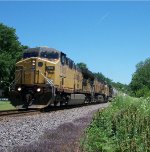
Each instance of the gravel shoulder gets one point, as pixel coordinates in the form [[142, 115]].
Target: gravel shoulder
[[56, 131]]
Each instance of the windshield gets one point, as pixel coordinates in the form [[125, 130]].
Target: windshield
[[30, 54], [49, 55]]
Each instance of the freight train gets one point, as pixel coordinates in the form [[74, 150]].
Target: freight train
[[45, 76]]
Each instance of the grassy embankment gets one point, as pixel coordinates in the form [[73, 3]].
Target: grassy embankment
[[5, 105], [122, 127]]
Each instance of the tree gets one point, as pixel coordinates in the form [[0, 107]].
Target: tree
[[121, 87], [10, 53], [100, 76], [103, 78], [140, 83], [82, 65]]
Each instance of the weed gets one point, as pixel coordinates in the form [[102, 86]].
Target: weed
[[123, 126]]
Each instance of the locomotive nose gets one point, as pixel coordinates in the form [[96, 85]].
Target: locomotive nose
[[31, 97], [25, 71]]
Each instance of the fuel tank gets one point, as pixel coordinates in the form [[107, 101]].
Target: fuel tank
[[76, 99]]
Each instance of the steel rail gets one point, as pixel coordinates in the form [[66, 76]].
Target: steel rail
[[15, 112]]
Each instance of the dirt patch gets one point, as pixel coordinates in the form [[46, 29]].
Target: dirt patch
[[63, 139]]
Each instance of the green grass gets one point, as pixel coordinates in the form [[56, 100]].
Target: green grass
[[5, 105], [122, 127]]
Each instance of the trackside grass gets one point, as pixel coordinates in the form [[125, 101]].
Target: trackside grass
[[122, 127], [5, 105]]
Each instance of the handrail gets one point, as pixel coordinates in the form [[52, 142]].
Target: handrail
[[14, 81], [48, 80], [51, 84], [19, 76]]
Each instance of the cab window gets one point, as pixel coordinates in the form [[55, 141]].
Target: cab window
[[49, 55], [70, 64], [63, 58], [30, 54]]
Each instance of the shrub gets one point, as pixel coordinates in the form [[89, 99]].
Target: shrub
[[123, 126]]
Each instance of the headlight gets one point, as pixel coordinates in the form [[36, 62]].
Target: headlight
[[33, 62], [38, 89], [19, 89]]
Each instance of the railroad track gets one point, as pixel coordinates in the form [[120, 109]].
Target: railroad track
[[16, 112]]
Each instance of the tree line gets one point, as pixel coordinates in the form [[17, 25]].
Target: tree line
[[101, 77], [11, 52], [140, 83]]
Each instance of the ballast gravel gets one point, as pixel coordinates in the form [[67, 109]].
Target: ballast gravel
[[23, 131]]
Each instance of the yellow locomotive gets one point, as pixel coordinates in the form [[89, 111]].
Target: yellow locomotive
[[46, 76]]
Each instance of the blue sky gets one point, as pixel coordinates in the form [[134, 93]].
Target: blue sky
[[110, 37]]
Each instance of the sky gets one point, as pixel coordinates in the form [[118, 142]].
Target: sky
[[110, 37]]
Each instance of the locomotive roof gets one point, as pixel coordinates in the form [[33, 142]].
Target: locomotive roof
[[87, 73], [39, 49]]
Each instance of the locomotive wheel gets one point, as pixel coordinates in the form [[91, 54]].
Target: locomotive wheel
[[44, 99], [105, 99], [15, 98]]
